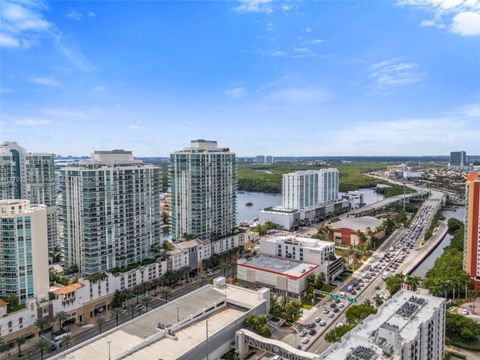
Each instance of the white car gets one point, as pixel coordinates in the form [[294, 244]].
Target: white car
[[340, 305], [338, 325], [464, 312], [305, 340]]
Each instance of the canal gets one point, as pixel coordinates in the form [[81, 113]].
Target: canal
[[427, 264]]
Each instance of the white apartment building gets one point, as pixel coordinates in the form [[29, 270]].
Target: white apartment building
[[23, 250], [409, 326], [311, 251], [309, 188], [111, 211], [203, 180], [30, 176]]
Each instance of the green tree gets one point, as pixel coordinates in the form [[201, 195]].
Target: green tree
[[100, 322], [146, 301], [60, 318], [414, 281], [42, 345], [356, 313], [335, 335], [461, 328], [67, 341], [258, 324], [167, 245], [19, 341], [42, 323], [378, 300], [394, 283], [454, 225], [116, 313]]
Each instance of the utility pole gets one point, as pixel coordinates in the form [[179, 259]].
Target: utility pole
[[206, 330], [109, 342]]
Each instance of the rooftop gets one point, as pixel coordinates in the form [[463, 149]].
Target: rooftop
[[403, 313], [279, 210], [182, 246], [66, 289], [357, 224], [301, 241], [281, 266], [143, 337]]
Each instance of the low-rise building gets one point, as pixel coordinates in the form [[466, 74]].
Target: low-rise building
[[196, 326], [354, 198], [354, 231], [285, 219], [287, 275], [409, 326], [311, 251]]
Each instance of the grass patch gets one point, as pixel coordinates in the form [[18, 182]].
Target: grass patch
[[328, 287], [307, 304]]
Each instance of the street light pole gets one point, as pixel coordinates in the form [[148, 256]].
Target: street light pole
[[109, 342]]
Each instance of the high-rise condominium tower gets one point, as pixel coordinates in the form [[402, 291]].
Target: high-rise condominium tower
[[23, 250], [32, 177], [309, 188], [203, 179], [111, 211], [471, 249], [458, 158]]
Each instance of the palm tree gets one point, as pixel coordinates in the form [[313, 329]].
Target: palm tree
[[165, 294], [132, 307], [41, 324], [378, 300], [145, 301], [42, 345], [61, 317], [100, 322], [20, 341], [115, 313], [68, 340], [414, 281]]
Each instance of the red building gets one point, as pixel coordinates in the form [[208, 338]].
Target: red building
[[354, 231], [471, 258]]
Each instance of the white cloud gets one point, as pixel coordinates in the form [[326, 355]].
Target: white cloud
[[466, 23], [432, 23], [236, 93], [23, 24], [9, 41], [254, 6], [99, 89], [295, 53], [133, 127], [46, 81], [296, 96], [390, 73], [75, 15], [32, 122], [463, 16], [91, 14], [308, 29]]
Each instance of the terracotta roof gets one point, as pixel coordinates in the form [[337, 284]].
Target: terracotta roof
[[67, 289], [472, 176], [3, 303]]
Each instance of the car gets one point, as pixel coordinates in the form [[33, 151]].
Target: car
[[326, 311], [311, 326], [317, 319], [341, 305], [305, 340], [333, 305], [337, 301], [331, 315], [277, 357], [336, 310], [358, 288], [302, 333], [350, 288], [339, 325], [312, 332], [209, 273], [323, 323], [353, 292], [464, 312], [343, 294], [299, 347]]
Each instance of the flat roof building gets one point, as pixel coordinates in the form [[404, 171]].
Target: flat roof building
[[354, 231], [281, 274], [410, 325], [177, 330]]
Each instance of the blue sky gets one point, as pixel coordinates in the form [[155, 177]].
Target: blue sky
[[259, 76]]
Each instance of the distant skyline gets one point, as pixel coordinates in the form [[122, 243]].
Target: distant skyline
[[291, 78]]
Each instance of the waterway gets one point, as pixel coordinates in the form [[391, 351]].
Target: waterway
[[427, 264], [262, 200]]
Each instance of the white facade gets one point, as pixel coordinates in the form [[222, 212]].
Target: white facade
[[23, 250], [111, 211], [278, 273], [409, 326], [284, 218], [18, 320], [309, 188], [355, 199], [203, 180]]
